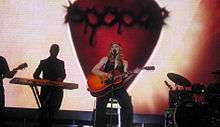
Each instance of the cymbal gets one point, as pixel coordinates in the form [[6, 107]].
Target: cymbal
[[178, 79]]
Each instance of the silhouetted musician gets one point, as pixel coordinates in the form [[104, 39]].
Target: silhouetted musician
[[213, 92], [4, 73], [50, 97]]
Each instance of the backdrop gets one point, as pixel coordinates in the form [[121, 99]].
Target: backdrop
[[188, 45]]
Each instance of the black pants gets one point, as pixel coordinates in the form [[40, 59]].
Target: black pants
[[2, 105], [124, 101], [2, 97], [51, 99]]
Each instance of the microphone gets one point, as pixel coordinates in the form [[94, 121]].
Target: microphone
[[114, 53]]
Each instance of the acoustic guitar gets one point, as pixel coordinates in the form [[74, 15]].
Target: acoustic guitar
[[100, 86]]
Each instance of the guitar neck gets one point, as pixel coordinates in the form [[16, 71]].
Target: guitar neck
[[121, 75], [5, 75], [133, 72]]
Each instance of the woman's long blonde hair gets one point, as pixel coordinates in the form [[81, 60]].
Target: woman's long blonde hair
[[119, 57]]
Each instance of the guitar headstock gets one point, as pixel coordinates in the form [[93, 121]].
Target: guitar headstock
[[149, 68], [22, 66]]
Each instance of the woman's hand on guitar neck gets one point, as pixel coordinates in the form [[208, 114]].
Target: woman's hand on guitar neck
[[137, 70]]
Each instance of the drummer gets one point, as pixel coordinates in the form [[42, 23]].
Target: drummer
[[215, 87], [217, 77], [213, 90]]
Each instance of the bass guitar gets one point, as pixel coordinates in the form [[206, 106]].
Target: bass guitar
[[100, 86]]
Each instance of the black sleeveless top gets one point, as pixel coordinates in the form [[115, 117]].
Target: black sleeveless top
[[109, 66]]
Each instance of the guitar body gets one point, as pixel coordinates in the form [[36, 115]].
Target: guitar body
[[99, 87]]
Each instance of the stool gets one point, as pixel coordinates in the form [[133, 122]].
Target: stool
[[113, 112]]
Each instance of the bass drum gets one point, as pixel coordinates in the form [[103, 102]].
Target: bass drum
[[188, 114]]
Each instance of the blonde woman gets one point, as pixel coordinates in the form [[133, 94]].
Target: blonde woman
[[107, 67]]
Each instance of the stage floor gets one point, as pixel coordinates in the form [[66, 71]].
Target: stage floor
[[23, 117]]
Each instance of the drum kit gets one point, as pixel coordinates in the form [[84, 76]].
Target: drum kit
[[189, 106]]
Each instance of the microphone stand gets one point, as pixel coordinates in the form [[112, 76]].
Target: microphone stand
[[112, 89], [111, 108]]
